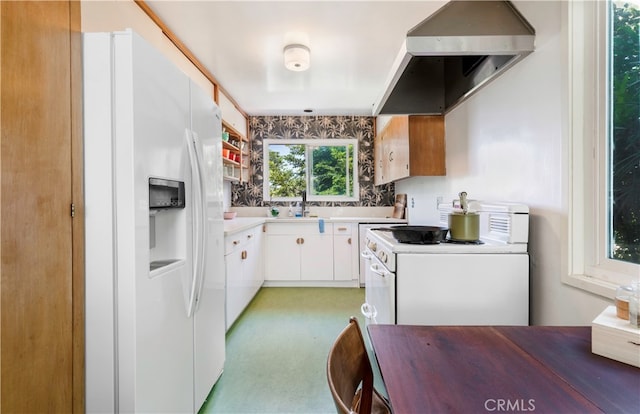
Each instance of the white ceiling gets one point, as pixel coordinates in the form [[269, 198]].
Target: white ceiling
[[353, 45]]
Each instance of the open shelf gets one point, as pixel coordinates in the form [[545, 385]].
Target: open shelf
[[236, 144]]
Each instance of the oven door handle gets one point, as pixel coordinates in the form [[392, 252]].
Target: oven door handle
[[369, 311], [375, 268]]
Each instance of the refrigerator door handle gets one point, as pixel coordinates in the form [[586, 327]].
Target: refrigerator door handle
[[202, 229], [198, 225]]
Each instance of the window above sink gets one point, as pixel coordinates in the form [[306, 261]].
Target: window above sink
[[327, 170]]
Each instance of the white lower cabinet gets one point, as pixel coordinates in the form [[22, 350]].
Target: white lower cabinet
[[244, 270], [282, 256], [299, 252], [315, 257], [346, 257]]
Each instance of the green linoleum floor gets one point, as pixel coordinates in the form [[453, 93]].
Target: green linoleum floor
[[277, 351]]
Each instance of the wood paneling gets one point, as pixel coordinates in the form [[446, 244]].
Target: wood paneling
[[77, 185], [39, 119]]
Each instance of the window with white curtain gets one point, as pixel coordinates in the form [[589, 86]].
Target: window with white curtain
[[605, 145]]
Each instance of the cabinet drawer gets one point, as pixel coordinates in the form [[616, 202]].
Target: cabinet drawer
[[236, 240], [232, 242], [343, 228]]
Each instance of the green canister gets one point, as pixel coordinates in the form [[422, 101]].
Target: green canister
[[464, 225]]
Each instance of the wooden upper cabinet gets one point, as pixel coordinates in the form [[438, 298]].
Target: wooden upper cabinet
[[408, 146]]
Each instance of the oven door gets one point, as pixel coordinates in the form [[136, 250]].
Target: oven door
[[380, 292]]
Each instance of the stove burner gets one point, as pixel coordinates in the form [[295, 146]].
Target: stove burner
[[469, 242], [417, 242]]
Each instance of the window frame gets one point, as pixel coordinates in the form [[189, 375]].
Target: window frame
[[589, 267], [306, 143]]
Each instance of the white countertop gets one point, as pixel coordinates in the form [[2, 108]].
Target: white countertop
[[242, 223], [367, 219]]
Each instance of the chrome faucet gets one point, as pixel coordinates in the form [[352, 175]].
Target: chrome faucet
[[304, 203]]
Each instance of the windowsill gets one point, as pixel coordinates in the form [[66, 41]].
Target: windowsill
[[592, 285]]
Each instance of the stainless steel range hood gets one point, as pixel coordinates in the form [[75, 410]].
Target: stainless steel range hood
[[452, 54]]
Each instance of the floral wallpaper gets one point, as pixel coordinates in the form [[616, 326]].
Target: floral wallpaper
[[313, 127]]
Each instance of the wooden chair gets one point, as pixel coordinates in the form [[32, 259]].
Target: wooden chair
[[350, 375]]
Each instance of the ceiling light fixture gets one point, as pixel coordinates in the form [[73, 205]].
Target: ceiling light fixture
[[297, 57]]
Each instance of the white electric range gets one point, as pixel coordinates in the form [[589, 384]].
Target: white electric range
[[483, 283]]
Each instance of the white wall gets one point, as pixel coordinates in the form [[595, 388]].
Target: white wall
[[111, 16], [226, 201], [510, 142]]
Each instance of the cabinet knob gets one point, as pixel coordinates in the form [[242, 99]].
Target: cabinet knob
[[391, 156], [249, 236], [342, 229], [243, 255], [236, 242], [349, 240]]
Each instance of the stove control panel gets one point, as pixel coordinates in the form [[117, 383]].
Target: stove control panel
[[381, 249]]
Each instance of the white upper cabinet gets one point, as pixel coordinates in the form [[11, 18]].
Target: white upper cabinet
[[231, 114]]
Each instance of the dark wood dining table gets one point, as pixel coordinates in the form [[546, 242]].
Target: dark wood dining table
[[479, 369]]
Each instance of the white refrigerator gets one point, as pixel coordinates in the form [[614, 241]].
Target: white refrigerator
[[155, 334]]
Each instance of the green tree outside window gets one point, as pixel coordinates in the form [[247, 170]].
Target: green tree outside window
[[625, 133]]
